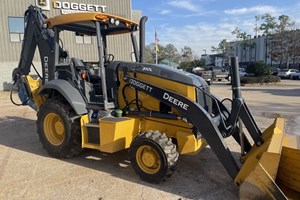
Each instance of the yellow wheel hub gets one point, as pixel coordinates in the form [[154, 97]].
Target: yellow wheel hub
[[54, 129], [148, 159]]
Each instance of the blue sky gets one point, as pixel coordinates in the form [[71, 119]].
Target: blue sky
[[200, 24]]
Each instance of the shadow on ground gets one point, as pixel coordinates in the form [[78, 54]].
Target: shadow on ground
[[202, 175]]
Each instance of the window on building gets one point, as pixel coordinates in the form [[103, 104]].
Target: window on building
[[16, 28], [83, 39]]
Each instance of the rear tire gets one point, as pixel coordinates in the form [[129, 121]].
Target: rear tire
[[153, 156], [59, 129]]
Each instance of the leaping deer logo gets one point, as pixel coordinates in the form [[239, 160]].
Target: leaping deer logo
[[42, 2]]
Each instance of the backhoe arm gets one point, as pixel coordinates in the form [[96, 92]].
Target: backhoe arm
[[36, 34]]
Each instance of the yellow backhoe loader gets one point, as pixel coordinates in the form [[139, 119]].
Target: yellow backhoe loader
[[154, 111]]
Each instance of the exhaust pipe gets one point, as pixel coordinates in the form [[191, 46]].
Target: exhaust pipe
[[142, 38]]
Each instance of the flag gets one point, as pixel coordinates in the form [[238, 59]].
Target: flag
[[156, 42]]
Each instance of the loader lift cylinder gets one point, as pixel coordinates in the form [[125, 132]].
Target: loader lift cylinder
[[240, 109], [236, 93], [236, 84]]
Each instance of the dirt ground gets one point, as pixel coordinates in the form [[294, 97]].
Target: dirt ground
[[28, 172]]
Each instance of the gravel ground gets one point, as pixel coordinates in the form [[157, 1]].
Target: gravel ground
[[27, 172]]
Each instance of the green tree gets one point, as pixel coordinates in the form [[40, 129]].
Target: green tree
[[223, 49], [281, 40], [285, 23], [149, 55], [187, 54], [241, 38], [269, 25], [171, 53], [259, 69], [256, 28]]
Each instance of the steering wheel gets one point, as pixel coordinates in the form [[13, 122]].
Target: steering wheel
[[110, 57]]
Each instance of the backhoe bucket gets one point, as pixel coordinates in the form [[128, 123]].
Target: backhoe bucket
[[272, 170]]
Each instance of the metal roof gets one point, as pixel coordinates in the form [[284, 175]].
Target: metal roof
[[84, 23]]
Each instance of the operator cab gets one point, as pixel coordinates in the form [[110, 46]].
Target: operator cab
[[90, 77]]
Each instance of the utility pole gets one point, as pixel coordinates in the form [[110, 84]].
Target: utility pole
[[250, 49]]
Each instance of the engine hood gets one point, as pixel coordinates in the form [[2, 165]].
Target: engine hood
[[165, 72]]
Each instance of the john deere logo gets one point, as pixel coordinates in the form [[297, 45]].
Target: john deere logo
[[44, 4]]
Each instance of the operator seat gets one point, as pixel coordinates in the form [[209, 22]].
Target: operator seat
[[78, 64]]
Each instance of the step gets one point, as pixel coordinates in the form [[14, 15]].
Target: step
[[99, 105], [91, 125]]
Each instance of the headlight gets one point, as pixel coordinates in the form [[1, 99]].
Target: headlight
[[112, 20]]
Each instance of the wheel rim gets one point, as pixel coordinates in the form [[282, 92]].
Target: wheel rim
[[148, 159], [54, 129]]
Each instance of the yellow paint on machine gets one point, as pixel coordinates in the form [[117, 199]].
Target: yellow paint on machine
[[269, 171], [288, 176], [33, 85], [181, 131], [188, 144], [117, 133], [148, 101]]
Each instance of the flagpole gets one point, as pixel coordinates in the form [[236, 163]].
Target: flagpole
[[156, 57]]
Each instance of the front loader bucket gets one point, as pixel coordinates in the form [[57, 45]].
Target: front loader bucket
[[272, 170]]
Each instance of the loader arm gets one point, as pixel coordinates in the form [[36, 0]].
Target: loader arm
[[196, 115], [261, 160]]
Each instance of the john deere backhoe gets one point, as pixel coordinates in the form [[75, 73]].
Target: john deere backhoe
[[154, 111]]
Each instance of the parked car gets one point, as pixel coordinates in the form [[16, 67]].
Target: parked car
[[275, 70], [295, 76], [286, 73], [242, 72], [204, 72], [219, 73]]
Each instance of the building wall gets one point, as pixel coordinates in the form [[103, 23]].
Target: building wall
[[248, 54], [120, 46]]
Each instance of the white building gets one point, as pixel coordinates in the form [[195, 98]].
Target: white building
[[254, 49]]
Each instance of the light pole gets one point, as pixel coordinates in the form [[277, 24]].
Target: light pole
[[266, 53], [255, 47], [270, 38], [250, 49]]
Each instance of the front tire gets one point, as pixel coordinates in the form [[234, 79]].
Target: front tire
[[153, 156], [58, 129]]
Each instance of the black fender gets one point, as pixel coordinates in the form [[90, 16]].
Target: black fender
[[69, 92]]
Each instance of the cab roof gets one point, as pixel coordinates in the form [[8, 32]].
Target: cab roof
[[84, 23]]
